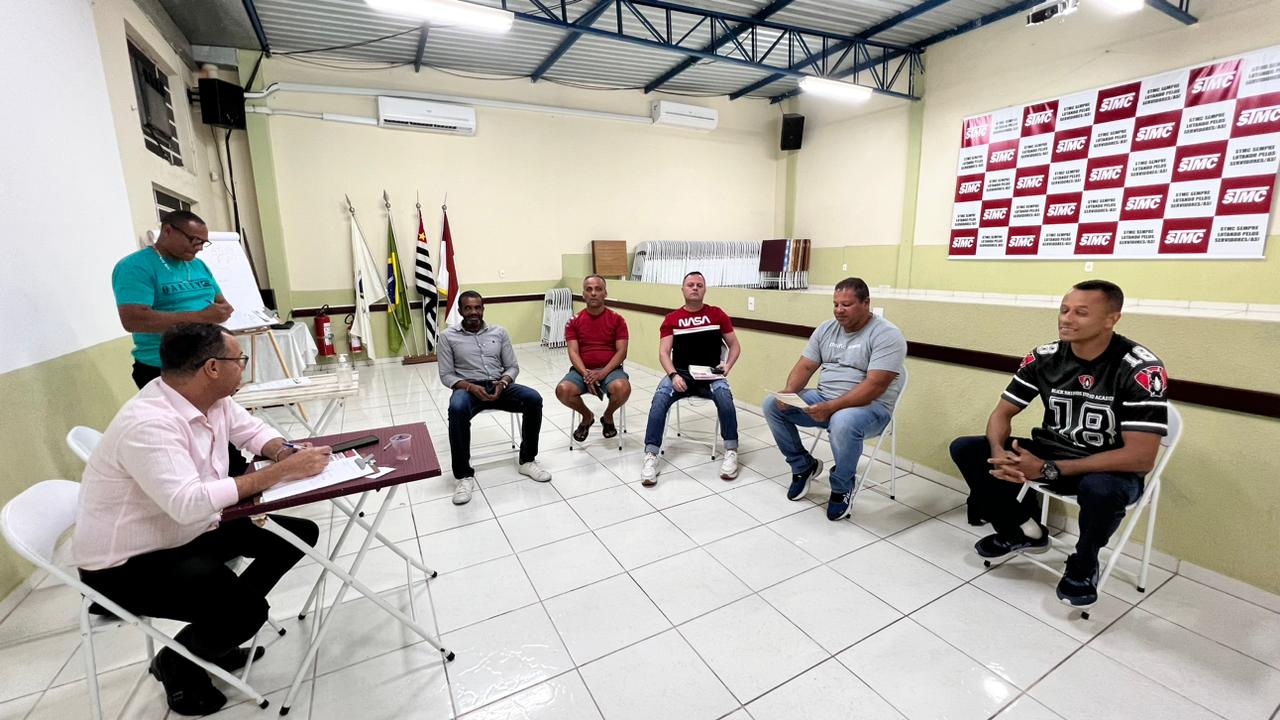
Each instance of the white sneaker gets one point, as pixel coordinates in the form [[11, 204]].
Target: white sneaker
[[649, 474], [462, 491], [729, 468], [534, 470]]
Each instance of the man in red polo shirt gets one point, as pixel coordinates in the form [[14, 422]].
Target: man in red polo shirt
[[597, 339]]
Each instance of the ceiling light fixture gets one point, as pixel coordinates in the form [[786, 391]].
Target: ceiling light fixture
[[834, 89], [450, 13]]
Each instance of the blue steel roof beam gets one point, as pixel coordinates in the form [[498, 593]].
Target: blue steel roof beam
[[538, 19], [687, 63], [1177, 12], [258, 30], [876, 29], [422, 49], [859, 67], [587, 18], [645, 22]]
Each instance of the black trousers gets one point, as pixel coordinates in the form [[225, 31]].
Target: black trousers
[[1103, 497], [192, 583], [143, 374]]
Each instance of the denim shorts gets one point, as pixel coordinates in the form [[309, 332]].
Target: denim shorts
[[575, 377]]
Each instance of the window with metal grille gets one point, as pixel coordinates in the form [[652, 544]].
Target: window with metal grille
[[155, 107], [167, 202]]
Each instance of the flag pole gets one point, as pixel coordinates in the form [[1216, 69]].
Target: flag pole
[[412, 357]]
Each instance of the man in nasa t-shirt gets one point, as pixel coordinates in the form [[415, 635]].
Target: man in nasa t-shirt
[[1105, 412], [693, 334]]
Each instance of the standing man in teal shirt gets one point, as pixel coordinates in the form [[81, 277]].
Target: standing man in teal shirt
[[166, 285]]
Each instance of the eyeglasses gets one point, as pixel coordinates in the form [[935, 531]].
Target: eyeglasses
[[243, 359], [202, 242]]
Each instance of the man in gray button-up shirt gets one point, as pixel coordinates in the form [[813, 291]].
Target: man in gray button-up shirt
[[478, 362]]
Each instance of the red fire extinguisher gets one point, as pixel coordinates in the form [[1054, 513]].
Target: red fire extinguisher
[[356, 345], [324, 332]]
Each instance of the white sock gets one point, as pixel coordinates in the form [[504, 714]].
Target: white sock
[[1031, 529]]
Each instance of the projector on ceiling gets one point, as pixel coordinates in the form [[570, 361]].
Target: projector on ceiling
[[1055, 8]]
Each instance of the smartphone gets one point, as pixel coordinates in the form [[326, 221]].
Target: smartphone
[[359, 442]]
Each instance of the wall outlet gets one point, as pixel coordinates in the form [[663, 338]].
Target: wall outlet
[[502, 274], [751, 303], [1088, 267], [844, 267]]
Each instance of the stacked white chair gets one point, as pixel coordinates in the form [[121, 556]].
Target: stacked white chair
[[557, 309], [722, 263]]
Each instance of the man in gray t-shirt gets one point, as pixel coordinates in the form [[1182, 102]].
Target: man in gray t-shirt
[[861, 358]]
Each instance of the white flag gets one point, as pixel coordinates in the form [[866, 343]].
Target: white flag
[[369, 286]]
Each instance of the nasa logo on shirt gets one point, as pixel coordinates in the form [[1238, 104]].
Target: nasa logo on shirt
[[1153, 379]]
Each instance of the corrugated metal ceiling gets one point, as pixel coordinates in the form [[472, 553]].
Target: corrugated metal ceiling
[[305, 25]]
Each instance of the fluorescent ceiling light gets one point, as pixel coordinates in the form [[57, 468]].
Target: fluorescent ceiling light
[[834, 89], [1124, 6], [450, 13]]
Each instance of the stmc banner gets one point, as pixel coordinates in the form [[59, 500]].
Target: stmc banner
[[1178, 165]]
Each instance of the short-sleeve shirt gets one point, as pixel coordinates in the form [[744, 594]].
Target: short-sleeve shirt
[[1088, 403], [696, 336], [143, 278], [847, 357], [597, 336]]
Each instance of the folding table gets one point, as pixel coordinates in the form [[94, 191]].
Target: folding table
[[421, 464]]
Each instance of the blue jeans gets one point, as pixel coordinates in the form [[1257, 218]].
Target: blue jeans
[[666, 396], [847, 429], [516, 399]]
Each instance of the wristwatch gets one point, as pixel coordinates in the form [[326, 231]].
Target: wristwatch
[[1049, 472], [672, 375]]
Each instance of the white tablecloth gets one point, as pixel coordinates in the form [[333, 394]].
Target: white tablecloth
[[297, 345]]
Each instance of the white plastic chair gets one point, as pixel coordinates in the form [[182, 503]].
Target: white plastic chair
[[515, 428], [713, 444], [82, 440], [890, 431], [31, 523], [1150, 499]]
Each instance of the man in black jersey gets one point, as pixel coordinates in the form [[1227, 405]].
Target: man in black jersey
[[1105, 410]]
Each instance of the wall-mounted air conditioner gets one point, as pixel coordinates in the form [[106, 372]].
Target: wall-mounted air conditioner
[[665, 112], [426, 116]]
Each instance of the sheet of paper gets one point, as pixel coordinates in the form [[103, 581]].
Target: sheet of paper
[[791, 399], [338, 471], [278, 384], [703, 372]]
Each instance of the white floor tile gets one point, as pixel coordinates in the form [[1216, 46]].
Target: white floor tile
[[811, 531], [944, 545], [689, 584], [1215, 676], [627, 468], [607, 507], [829, 608], [1114, 692], [504, 655], [559, 459], [361, 630], [17, 709], [1027, 708], [397, 526], [765, 502], [603, 617], [1031, 589], [516, 496], [709, 475], [896, 576], [827, 692], [118, 696], [928, 497], [40, 661], [395, 685], [461, 547], [1253, 630], [882, 516], [1010, 643], [564, 697], [751, 647], [659, 678], [761, 557], [568, 564], [51, 609], [480, 592], [709, 519], [768, 462], [541, 525], [673, 488], [947, 685], [585, 479], [442, 514], [642, 540], [688, 451]]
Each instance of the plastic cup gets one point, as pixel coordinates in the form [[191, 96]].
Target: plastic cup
[[400, 445]]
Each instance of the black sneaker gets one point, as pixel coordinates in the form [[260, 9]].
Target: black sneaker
[[838, 506], [997, 546], [187, 687], [1079, 584], [800, 482]]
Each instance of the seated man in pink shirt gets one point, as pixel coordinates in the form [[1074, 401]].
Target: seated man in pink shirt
[[147, 531]]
